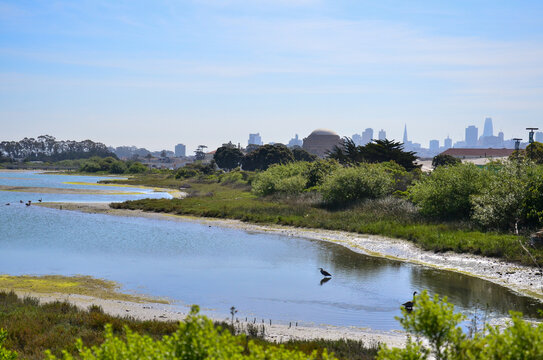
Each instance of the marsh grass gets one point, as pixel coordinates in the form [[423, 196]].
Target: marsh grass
[[390, 217], [33, 328]]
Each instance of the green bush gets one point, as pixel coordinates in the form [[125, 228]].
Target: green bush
[[435, 320], [499, 204], [5, 354], [317, 171], [286, 179], [136, 168], [197, 338], [365, 181], [446, 192]]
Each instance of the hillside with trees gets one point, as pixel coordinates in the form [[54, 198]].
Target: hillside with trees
[[47, 148]]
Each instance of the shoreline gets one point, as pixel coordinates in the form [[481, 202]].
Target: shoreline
[[274, 332], [522, 279]]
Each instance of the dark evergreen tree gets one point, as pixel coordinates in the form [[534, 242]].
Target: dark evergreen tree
[[228, 157], [266, 155], [444, 160]]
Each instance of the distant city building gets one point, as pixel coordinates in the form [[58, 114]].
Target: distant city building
[[405, 141], [367, 136], [472, 133], [357, 139], [447, 143], [434, 145], [382, 134], [488, 129], [501, 137], [255, 139], [295, 141], [539, 136], [320, 141], [180, 150]]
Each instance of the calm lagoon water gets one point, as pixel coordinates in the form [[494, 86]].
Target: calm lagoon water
[[263, 275]]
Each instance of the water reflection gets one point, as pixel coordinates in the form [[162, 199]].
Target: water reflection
[[324, 280]]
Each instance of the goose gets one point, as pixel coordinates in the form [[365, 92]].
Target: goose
[[325, 273], [409, 305]]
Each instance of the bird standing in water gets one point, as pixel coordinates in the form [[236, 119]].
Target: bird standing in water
[[409, 305], [325, 273]]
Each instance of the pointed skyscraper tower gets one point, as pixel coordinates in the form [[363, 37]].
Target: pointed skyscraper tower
[[405, 141], [489, 129]]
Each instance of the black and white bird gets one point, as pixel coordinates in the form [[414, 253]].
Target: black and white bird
[[39, 200], [325, 273], [409, 305]]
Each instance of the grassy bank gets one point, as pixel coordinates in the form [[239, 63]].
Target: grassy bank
[[387, 217], [80, 285], [34, 328]]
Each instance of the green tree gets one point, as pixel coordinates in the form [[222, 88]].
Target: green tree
[[302, 155], [265, 156], [534, 152], [227, 157], [377, 151], [445, 160], [446, 192]]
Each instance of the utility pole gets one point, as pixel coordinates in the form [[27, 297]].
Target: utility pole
[[531, 134]]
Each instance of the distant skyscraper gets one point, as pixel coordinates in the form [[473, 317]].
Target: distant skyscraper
[[357, 139], [472, 134], [501, 138], [295, 141], [405, 141], [489, 129], [434, 145], [447, 143], [367, 136], [539, 136], [180, 150], [382, 134], [255, 139]]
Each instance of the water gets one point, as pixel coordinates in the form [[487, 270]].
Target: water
[[263, 275]]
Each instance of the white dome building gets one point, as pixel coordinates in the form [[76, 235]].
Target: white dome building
[[320, 141]]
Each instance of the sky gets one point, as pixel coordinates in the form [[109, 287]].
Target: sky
[[158, 73]]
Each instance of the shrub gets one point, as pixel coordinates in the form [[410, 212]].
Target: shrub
[[444, 160], [446, 192], [5, 354], [317, 171], [365, 181], [136, 168], [435, 320], [287, 179], [499, 205], [196, 338]]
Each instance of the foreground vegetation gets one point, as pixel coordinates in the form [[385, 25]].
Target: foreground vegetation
[[432, 325], [32, 328]]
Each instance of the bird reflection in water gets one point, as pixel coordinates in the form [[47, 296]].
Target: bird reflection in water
[[325, 280]]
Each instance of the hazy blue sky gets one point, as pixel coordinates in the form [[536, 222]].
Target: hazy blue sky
[[157, 73]]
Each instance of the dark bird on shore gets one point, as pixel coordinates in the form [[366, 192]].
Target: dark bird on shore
[[21, 201], [29, 203], [409, 305], [324, 272], [7, 204], [39, 200]]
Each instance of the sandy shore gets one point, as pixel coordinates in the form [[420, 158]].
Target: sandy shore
[[273, 332]]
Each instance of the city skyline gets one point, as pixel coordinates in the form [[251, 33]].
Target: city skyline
[[154, 74]]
